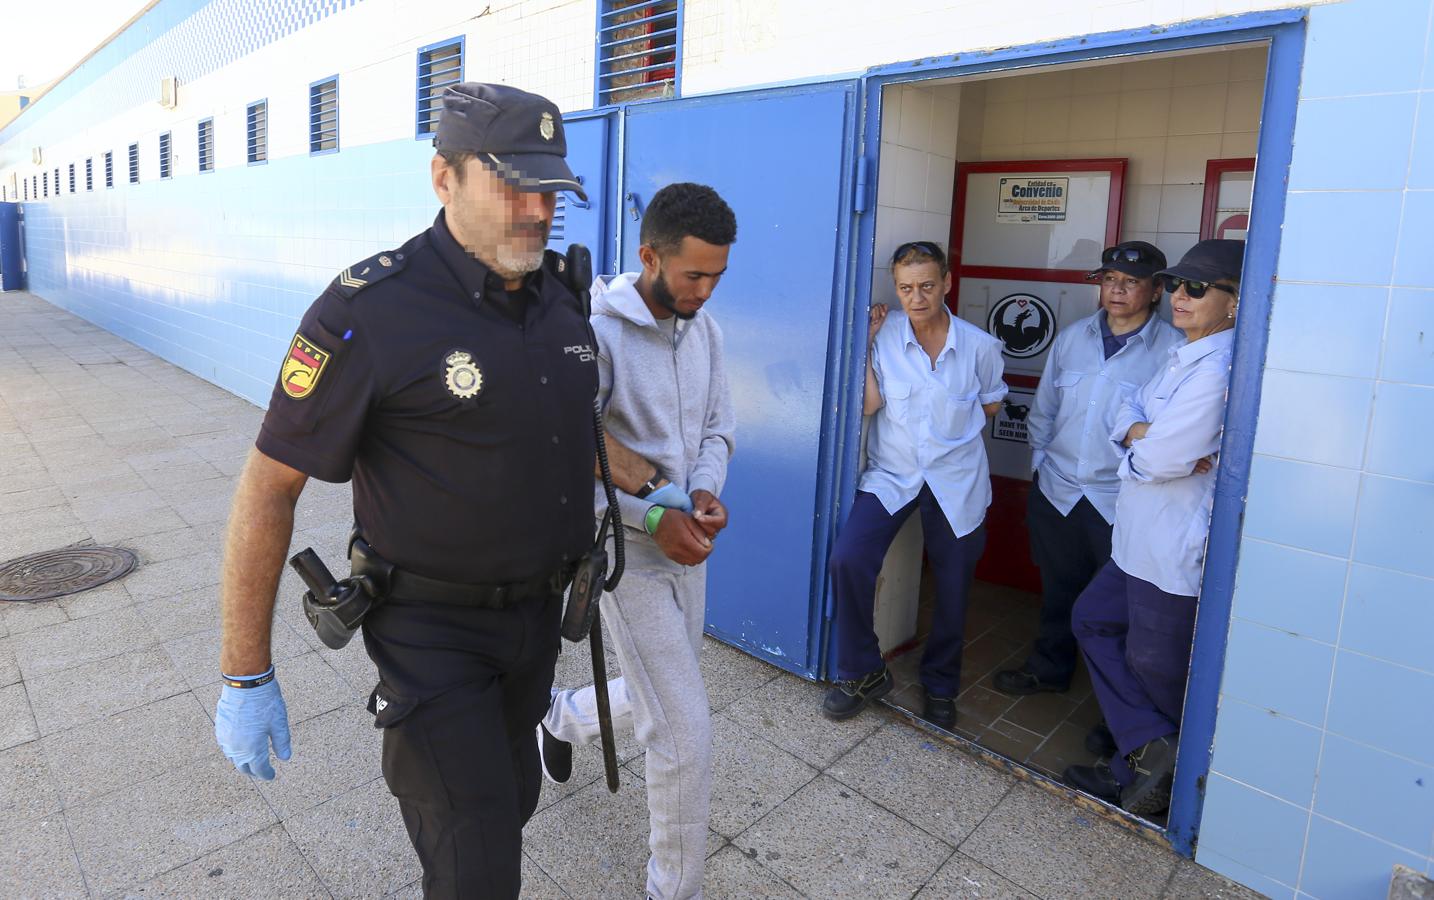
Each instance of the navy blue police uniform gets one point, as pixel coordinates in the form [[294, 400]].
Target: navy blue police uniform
[[463, 413]]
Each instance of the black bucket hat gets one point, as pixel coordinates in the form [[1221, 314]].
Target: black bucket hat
[[1210, 261], [514, 133]]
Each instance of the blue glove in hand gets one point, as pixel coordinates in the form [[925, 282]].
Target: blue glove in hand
[[670, 496], [246, 720]]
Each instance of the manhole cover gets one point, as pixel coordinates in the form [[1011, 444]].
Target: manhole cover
[[55, 573]]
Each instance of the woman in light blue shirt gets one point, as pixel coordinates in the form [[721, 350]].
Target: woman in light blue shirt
[[1135, 621], [932, 380]]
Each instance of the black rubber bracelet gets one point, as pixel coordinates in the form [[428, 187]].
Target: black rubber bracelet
[[246, 683]]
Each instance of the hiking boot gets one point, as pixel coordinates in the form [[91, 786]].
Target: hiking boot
[[556, 756], [1154, 768], [1023, 681], [1096, 780], [848, 698], [1100, 741], [940, 711]]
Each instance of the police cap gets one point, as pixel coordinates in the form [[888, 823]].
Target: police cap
[[515, 134]]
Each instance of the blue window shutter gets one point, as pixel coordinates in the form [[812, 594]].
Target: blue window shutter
[[639, 50], [257, 132], [165, 155], [206, 145], [439, 67], [324, 116]]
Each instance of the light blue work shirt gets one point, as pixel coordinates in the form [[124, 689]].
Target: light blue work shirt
[[928, 431], [1074, 410], [1162, 515]]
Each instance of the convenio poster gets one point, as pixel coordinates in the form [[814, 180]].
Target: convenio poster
[[1025, 199]]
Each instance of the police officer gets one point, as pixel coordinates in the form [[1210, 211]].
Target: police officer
[[1093, 366], [453, 380]]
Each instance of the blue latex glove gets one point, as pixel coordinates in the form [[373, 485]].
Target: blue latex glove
[[246, 720], [670, 496]]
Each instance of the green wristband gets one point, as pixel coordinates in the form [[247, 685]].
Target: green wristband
[[653, 517]]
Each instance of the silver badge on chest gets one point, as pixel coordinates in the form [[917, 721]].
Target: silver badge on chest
[[462, 375]]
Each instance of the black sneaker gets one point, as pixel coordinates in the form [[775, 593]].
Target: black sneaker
[[850, 697], [1023, 681], [940, 711], [1154, 768], [1096, 780], [1100, 741], [555, 756]]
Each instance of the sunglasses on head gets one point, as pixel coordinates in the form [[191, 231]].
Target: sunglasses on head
[[1114, 255], [1195, 289], [926, 247]]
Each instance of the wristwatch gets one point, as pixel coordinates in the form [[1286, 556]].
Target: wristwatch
[[649, 486]]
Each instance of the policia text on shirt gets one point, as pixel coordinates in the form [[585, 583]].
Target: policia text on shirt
[[436, 376]]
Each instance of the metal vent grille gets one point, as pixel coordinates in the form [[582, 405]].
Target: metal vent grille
[[166, 155], [639, 50], [89, 174], [134, 163], [206, 145], [257, 131], [109, 168], [324, 116], [439, 66]]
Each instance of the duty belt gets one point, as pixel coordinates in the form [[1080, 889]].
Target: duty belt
[[405, 585]]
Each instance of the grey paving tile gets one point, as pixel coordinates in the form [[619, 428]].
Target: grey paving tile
[[35, 498], [105, 598], [9, 671], [787, 712], [179, 476], [923, 779], [195, 609], [136, 745], [1195, 882], [17, 724], [592, 843], [333, 754], [733, 875], [262, 866], [178, 543], [126, 527], [196, 656], [113, 479], [21, 616], [1080, 855], [731, 674], [963, 877], [39, 861], [26, 789], [22, 540], [750, 776], [859, 851], [357, 842], [312, 687], [132, 504], [196, 573], [87, 692], [69, 644], [150, 827], [536, 883]]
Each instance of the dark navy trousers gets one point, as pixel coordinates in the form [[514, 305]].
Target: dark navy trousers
[[1068, 549], [1136, 642], [856, 561]]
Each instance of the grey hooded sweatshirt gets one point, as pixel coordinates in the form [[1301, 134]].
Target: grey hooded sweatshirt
[[663, 392]]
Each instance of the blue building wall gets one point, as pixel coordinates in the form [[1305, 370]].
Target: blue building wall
[[1324, 750], [1323, 770]]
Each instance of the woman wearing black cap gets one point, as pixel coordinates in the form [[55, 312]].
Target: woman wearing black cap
[[1135, 621]]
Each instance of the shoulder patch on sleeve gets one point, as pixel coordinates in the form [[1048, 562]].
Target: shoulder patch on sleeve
[[367, 272]]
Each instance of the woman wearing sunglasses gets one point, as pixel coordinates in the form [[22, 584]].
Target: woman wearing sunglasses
[[1135, 620]]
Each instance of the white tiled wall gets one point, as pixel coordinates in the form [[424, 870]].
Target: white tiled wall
[[1167, 116]]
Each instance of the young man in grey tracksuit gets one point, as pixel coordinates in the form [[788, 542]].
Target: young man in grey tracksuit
[[665, 398]]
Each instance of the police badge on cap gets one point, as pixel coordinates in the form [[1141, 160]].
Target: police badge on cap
[[516, 134]]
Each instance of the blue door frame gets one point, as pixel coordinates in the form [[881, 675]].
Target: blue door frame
[[1284, 31]]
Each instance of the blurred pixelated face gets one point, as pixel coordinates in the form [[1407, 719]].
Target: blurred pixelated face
[[1123, 296], [684, 279], [506, 229], [921, 288]]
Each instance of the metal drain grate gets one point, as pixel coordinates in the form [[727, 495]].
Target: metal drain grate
[[55, 573]]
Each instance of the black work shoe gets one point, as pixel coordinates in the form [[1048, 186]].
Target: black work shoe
[[1154, 768], [555, 755], [1023, 681], [940, 711], [1100, 741], [1096, 780], [850, 697]]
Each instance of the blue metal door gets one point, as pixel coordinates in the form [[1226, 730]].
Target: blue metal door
[[588, 222], [783, 160], [12, 249]]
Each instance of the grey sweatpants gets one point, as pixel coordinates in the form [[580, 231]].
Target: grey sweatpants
[[656, 618]]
